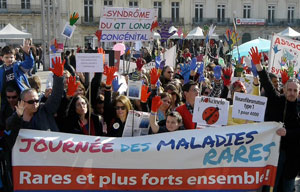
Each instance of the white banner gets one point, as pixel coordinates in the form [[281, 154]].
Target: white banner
[[228, 158]]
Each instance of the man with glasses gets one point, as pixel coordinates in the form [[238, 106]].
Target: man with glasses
[[282, 108], [30, 114], [190, 91]]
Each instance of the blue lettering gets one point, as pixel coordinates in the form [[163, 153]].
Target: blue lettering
[[229, 143], [266, 148], [225, 155], [146, 146], [124, 147], [239, 153], [135, 147], [208, 141], [193, 146], [182, 142], [163, 143], [249, 135], [238, 138], [219, 143], [212, 153], [254, 151]]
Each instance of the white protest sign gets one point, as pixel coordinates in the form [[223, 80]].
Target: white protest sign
[[68, 30], [284, 52], [170, 56], [149, 66], [89, 62], [137, 124], [134, 89], [126, 24], [53, 56], [210, 111], [249, 107], [132, 67]]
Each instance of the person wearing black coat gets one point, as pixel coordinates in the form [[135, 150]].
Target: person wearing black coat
[[283, 108]]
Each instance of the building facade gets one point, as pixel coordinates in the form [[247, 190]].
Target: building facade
[[255, 18]]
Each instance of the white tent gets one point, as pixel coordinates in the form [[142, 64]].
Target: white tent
[[10, 32], [196, 33], [289, 32]]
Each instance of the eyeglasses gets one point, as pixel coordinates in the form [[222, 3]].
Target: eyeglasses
[[11, 97], [32, 101], [120, 107]]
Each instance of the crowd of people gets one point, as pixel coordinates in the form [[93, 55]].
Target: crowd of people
[[168, 94]]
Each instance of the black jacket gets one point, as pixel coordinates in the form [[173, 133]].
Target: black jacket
[[280, 110]]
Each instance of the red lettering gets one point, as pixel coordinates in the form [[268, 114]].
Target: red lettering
[[109, 13], [94, 148], [54, 149], [282, 42], [298, 47], [293, 45], [277, 41], [130, 14], [107, 147], [29, 141], [81, 147], [272, 69], [67, 147], [40, 146], [147, 14]]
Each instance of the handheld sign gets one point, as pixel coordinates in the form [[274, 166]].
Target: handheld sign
[[249, 107], [68, 30], [89, 62], [210, 111], [137, 124], [134, 89]]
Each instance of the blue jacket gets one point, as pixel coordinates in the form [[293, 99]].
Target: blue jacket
[[19, 69]]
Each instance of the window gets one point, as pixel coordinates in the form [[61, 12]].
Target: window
[[198, 12], [88, 10], [133, 4], [221, 13], [3, 4], [175, 11], [247, 11], [88, 41], [108, 3], [157, 5], [291, 11], [25, 4], [2, 25], [271, 13]]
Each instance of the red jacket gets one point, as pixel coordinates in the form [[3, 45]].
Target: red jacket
[[186, 116]]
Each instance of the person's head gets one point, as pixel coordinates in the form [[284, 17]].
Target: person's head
[[168, 72], [80, 89], [238, 86], [206, 90], [274, 79], [174, 121], [291, 90], [31, 99], [166, 99], [72, 51], [12, 96], [35, 82], [8, 55], [123, 105], [190, 91], [172, 90], [78, 106], [67, 53]]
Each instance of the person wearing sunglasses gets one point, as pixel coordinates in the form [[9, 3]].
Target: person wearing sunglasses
[[116, 110], [30, 114]]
